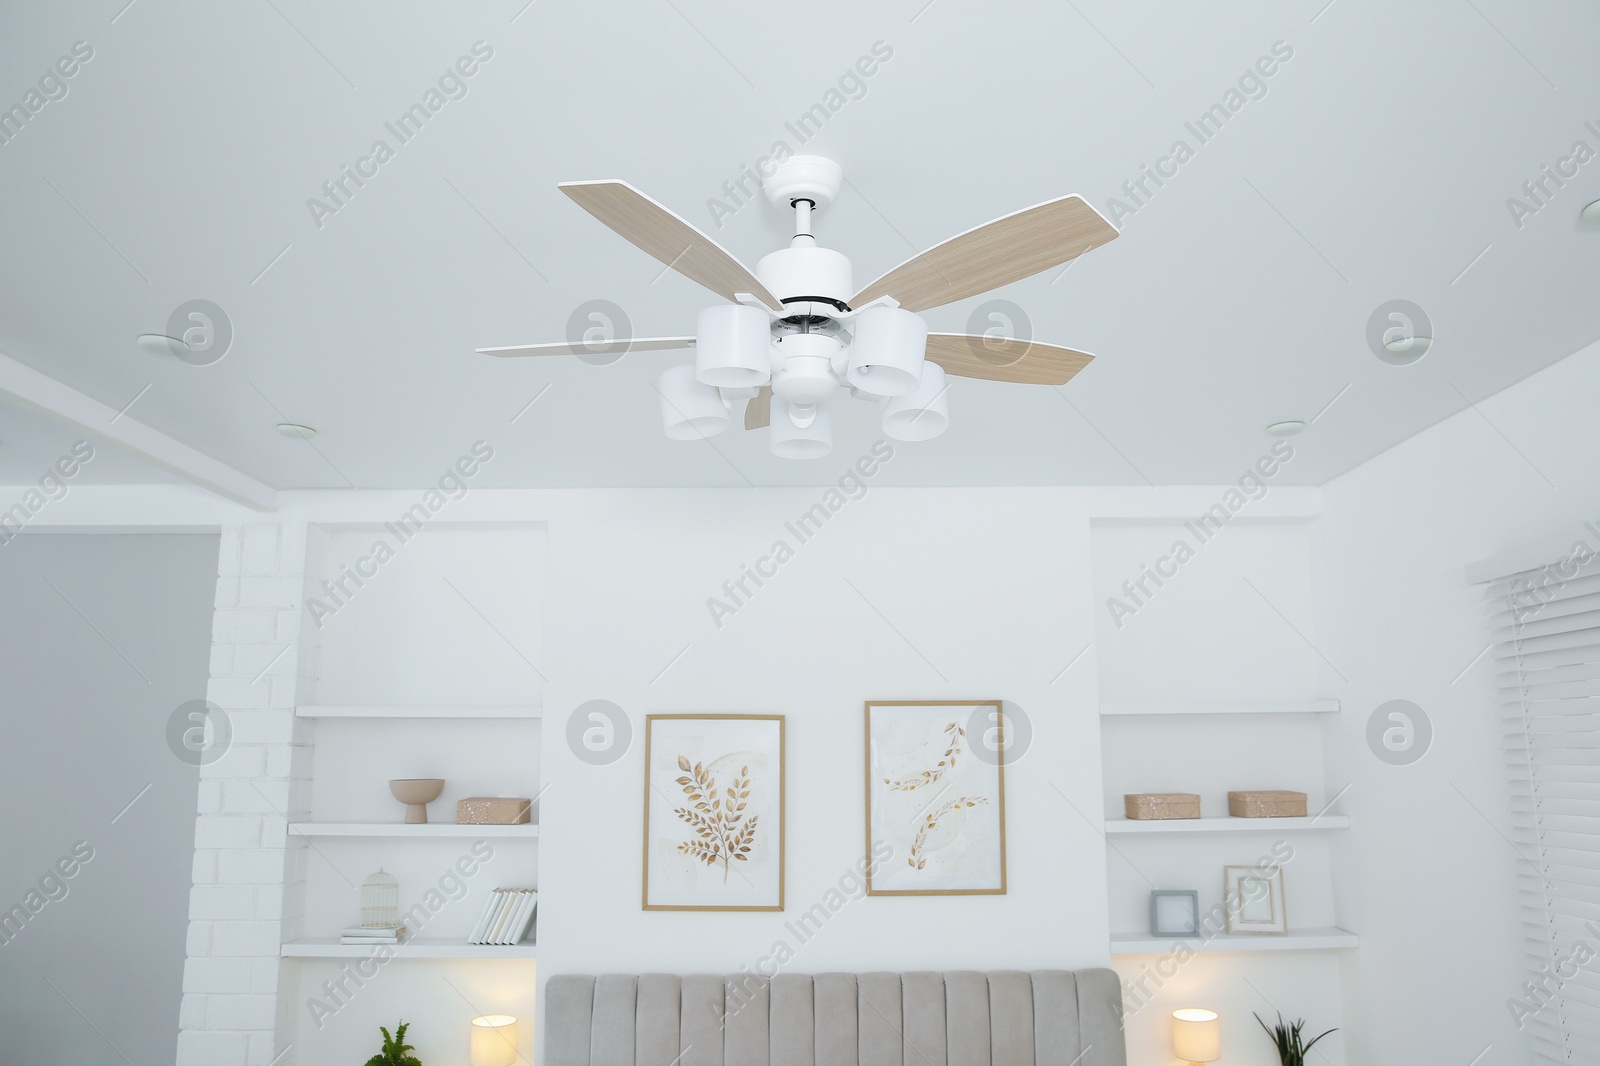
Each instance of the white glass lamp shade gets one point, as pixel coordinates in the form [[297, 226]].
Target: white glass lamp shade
[[1196, 1035], [922, 415], [732, 347], [690, 409], [886, 352], [798, 433], [494, 1040]]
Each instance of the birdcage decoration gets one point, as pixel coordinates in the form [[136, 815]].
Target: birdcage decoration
[[380, 901]]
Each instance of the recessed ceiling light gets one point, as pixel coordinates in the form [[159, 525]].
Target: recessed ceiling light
[[1414, 347], [1285, 429], [161, 344], [289, 429], [1591, 214]]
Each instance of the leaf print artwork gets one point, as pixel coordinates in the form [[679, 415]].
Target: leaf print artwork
[[954, 735], [919, 858], [717, 816], [936, 803], [714, 812]]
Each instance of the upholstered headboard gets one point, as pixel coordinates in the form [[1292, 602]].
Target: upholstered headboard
[[961, 1018]]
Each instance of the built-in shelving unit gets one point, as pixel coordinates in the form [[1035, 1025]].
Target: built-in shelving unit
[[1245, 707], [1315, 939], [426, 672], [1205, 682], [1225, 825], [429, 831], [523, 712], [1329, 939], [420, 948]]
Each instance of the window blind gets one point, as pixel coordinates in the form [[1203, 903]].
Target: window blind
[[1546, 643]]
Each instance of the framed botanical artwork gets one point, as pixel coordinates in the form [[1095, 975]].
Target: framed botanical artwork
[[713, 812], [936, 798], [1254, 899], [1174, 913]]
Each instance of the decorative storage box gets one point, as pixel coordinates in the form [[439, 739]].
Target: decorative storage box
[[493, 810], [1270, 804], [1158, 805]]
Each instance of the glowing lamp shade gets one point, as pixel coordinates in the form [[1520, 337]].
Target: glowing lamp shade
[[886, 353], [494, 1040], [1196, 1035], [732, 347], [923, 414], [801, 431], [690, 409]]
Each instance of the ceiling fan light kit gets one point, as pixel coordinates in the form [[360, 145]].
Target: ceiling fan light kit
[[801, 431], [922, 415], [887, 358], [690, 409], [732, 348], [796, 334]]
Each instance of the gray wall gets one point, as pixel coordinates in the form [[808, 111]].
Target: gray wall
[[90, 671]]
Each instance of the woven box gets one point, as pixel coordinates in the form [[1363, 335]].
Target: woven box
[[1158, 805], [1270, 804], [493, 810]]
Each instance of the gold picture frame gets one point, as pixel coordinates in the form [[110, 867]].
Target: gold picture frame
[[956, 793], [711, 804], [1255, 900]]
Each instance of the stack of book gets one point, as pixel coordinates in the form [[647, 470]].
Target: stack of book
[[361, 934], [507, 918]]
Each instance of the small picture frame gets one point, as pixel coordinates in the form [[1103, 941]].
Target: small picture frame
[[1174, 912], [1253, 896]]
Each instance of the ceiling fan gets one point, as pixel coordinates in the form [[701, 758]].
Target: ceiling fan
[[797, 332]]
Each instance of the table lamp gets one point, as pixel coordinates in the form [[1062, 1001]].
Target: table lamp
[[1196, 1035], [494, 1040]]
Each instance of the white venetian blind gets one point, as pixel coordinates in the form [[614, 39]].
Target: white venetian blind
[[1546, 633]]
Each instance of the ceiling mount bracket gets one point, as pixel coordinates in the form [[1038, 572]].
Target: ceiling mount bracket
[[804, 177]]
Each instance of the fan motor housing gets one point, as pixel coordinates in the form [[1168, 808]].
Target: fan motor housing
[[809, 280]]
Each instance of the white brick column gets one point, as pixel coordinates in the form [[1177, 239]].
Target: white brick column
[[248, 894]]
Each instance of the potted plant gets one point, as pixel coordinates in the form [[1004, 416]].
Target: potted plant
[[1291, 1045], [396, 1052]]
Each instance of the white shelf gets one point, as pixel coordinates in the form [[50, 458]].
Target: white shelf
[[1111, 710], [433, 830], [326, 711], [419, 948], [1224, 825], [1329, 939]]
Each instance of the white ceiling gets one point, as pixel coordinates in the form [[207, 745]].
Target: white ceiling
[[1376, 167]]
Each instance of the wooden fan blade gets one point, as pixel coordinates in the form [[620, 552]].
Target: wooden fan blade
[[997, 253], [758, 412], [656, 230], [637, 344], [1002, 359]]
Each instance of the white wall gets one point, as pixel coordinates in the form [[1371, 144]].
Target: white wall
[[92, 670], [995, 590], [904, 594], [1430, 869]]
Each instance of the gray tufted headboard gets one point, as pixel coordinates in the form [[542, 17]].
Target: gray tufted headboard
[[961, 1018]]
